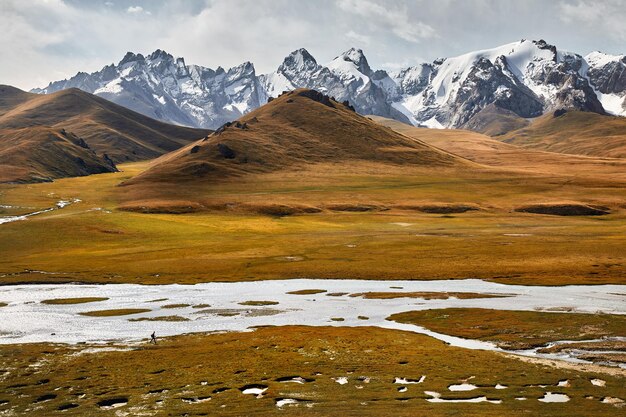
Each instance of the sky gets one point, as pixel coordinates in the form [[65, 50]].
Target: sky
[[48, 40]]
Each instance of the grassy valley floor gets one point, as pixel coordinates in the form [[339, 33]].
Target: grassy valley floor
[[232, 231], [297, 371]]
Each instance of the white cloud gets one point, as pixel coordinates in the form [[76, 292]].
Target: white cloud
[[610, 15], [46, 40], [357, 37], [135, 9], [395, 19]]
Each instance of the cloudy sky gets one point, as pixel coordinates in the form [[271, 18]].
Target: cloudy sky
[[46, 40]]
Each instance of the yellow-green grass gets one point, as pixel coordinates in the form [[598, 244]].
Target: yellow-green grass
[[115, 312], [427, 295], [259, 303], [604, 357], [3, 304], [163, 379], [76, 300], [516, 329], [178, 305], [160, 318], [307, 292], [495, 243]]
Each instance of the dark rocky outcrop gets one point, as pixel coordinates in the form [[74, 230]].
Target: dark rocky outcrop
[[564, 210], [226, 151], [317, 96]]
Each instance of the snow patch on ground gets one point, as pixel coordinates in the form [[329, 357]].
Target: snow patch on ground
[[436, 398], [462, 387], [549, 397], [27, 320]]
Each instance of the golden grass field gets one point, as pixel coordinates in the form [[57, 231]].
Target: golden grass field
[[229, 239], [199, 375], [82, 244]]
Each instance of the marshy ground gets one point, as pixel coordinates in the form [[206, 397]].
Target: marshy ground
[[295, 370]]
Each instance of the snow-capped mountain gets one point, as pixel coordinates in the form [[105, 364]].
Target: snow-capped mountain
[[347, 77], [527, 78], [165, 88], [607, 74]]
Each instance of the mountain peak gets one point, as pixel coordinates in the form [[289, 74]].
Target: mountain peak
[[357, 57], [354, 54], [245, 69], [302, 52], [298, 60], [159, 54], [131, 57], [541, 44]]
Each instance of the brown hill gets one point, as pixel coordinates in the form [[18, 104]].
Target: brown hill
[[41, 153], [298, 128], [493, 153], [70, 133], [494, 121], [573, 132]]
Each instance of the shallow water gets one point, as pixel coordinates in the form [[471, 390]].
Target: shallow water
[[26, 319], [59, 205]]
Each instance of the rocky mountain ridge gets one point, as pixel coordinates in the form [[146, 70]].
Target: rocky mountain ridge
[[525, 79]]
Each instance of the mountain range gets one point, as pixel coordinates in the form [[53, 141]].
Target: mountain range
[[512, 82]]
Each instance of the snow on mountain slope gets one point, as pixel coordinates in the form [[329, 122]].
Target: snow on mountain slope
[[526, 78], [352, 68], [299, 70], [607, 74], [165, 88], [454, 71]]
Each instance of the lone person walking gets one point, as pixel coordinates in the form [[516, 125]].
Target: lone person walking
[[153, 338]]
